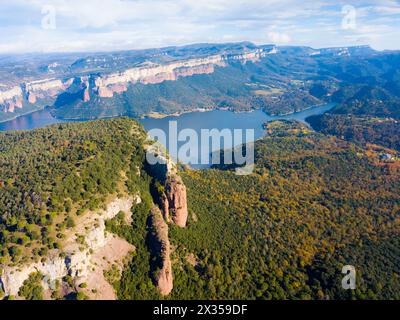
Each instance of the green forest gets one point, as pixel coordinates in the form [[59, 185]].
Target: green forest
[[313, 204], [50, 176]]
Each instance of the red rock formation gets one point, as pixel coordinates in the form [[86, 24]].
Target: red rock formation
[[164, 205], [105, 92], [18, 103], [86, 95], [31, 98], [177, 200], [11, 107], [164, 277], [119, 88]]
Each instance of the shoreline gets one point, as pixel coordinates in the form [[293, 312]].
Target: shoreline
[[157, 115], [16, 116]]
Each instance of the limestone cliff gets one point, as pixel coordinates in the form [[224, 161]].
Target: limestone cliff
[[31, 93], [45, 91], [156, 73], [11, 99]]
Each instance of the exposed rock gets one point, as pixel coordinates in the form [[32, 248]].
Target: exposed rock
[[164, 278], [9, 107], [177, 200], [77, 263], [11, 99], [86, 92], [164, 206], [86, 95], [105, 92], [44, 85], [158, 73], [113, 253], [173, 201], [10, 94], [106, 85], [32, 98]]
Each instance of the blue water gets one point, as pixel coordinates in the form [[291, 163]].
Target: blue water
[[228, 120], [37, 119], [220, 120], [196, 121]]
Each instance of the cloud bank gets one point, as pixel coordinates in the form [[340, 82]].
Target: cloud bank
[[102, 25]]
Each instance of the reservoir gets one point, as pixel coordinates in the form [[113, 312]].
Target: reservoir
[[197, 121]]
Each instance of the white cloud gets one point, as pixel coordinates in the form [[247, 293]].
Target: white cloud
[[128, 24]]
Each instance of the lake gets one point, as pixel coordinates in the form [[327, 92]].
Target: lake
[[220, 120], [196, 121]]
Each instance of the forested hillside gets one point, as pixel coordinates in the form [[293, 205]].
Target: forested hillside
[[50, 176], [364, 114], [360, 129], [313, 204]]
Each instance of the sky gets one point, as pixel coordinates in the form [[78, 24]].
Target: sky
[[105, 25]]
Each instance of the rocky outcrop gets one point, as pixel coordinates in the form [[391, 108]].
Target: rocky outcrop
[[158, 73], [86, 95], [45, 85], [12, 93], [46, 91], [31, 92], [86, 91], [11, 99], [173, 201], [176, 200], [75, 261], [32, 98], [161, 244]]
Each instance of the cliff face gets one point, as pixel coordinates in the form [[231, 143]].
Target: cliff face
[[31, 93], [173, 201], [172, 207], [164, 277], [11, 99], [176, 200], [46, 91], [153, 74]]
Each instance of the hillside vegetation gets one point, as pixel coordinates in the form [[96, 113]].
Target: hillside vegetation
[[313, 204], [50, 176]]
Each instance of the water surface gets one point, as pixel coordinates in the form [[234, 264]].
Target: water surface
[[196, 121]]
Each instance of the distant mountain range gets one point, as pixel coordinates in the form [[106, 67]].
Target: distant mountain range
[[236, 76]]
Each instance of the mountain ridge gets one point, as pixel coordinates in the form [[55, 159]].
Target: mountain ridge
[[75, 80]]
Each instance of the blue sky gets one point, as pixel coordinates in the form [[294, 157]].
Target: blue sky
[[103, 25]]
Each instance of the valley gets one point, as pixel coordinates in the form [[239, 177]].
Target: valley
[[235, 76], [83, 215], [176, 233]]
